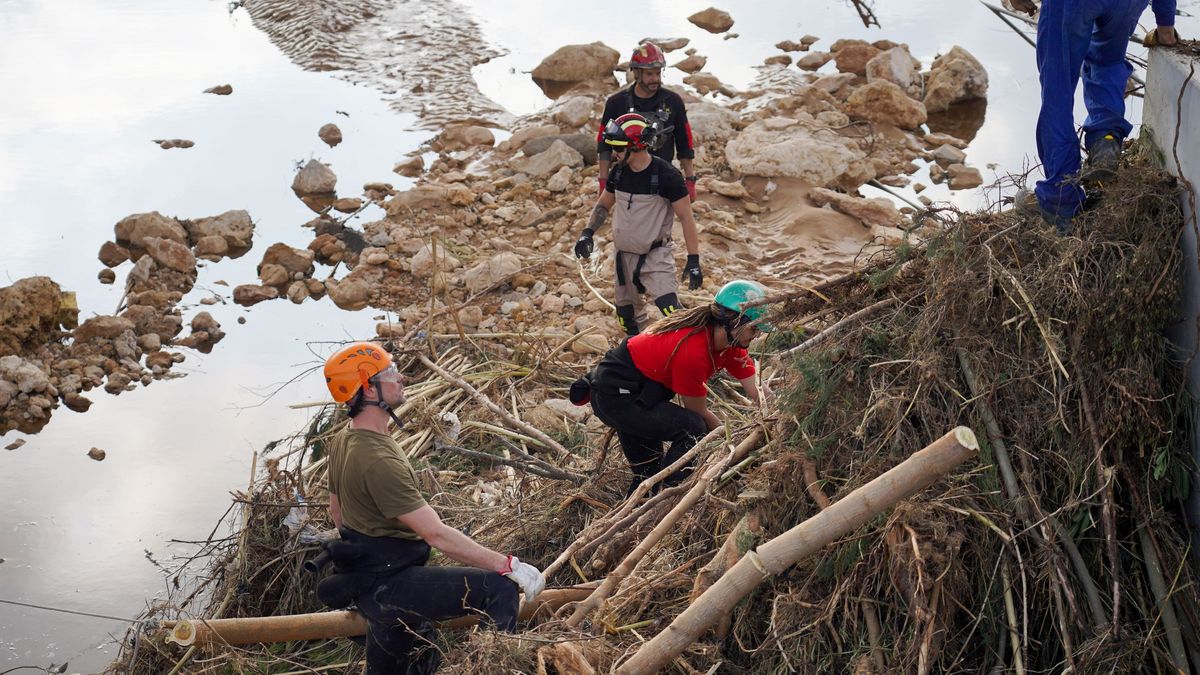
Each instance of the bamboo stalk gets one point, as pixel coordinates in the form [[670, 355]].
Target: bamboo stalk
[[325, 625], [917, 472]]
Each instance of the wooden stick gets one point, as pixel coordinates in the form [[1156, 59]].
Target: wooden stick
[[917, 472], [324, 625], [536, 468], [613, 581], [630, 502], [475, 393], [837, 327]]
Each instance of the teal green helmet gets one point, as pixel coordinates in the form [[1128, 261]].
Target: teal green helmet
[[739, 292]]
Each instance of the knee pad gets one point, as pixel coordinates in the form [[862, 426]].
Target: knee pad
[[667, 303], [628, 319]]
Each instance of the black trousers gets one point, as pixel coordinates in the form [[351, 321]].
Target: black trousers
[[400, 610], [642, 431]]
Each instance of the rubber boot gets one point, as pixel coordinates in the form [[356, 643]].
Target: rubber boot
[[627, 317]]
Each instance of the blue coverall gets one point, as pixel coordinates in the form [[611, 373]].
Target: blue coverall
[[1092, 35]]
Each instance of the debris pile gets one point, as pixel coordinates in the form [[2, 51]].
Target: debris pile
[[1057, 548]]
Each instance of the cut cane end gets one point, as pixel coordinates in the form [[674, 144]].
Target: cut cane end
[[966, 438], [182, 633]]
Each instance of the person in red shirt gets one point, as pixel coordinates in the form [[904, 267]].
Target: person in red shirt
[[632, 387]]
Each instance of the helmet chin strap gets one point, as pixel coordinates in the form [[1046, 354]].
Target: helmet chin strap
[[383, 405]]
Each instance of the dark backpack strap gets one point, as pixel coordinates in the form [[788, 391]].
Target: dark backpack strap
[[654, 177], [629, 99]]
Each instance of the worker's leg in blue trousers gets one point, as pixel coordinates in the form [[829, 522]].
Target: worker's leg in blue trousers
[[1106, 72]]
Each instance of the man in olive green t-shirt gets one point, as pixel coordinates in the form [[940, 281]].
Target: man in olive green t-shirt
[[375, 503]]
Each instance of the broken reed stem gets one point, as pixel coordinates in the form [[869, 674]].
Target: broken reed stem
[[922, 469], [644, 487], [1166, 606], [1020, 503], [1010, 611], [487, 402], [590, 287], [537, 469], [1104, 480]]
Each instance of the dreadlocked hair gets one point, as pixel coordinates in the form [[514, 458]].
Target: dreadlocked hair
[[697, 318]]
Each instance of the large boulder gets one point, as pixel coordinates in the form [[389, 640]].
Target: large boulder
[[709, 121], [428, 197], [558, 155], [171, 254], [574, 111], [897, 66], [314, 179], [779, 146], [954, 77], [522, 136], [813, 60], [492, 271], [351, 293], [294, 261], [247, 295], [885, 103], [28, 313], [584, 144], [577, 63], [134, 230], [102, 327], [712, 20], [876, 211], [463, 137], [853, 58], [235, 227]]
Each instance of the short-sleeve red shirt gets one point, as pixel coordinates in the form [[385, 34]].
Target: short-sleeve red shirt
[[694, 362]]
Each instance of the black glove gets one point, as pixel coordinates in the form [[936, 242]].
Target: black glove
[[691, 272], [584, 245]]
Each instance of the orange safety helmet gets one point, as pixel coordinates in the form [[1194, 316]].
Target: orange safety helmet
[[352, 367]]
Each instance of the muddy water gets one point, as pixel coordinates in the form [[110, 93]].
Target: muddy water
[[85, 86]]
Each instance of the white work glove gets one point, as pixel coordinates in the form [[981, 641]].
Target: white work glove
[[528, 577]]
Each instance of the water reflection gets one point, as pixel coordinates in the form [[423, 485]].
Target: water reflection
[[961, 120]]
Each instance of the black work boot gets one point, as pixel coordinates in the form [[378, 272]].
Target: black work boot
[[1026, 203], [1103, 158]]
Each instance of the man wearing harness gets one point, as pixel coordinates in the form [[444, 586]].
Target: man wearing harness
[[387, 529], [661, 107], [645, 194]]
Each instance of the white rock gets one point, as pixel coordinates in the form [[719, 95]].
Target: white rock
[[315, 178], [558, 155], [561, 180], [574, 111], [955, 76], [786, 147], [897, 66], [492, 271]]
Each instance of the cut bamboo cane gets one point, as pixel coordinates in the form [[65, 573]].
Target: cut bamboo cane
[[324, 625], [917, 472]]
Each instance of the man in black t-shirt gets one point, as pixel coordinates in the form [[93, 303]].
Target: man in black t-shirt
[[645, 193], [663, 108]]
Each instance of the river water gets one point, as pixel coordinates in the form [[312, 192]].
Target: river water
[[86, 85]]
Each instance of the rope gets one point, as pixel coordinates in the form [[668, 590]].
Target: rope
[[71, 611]]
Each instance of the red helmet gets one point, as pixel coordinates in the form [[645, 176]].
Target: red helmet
[[630, 129], [647, 55]]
